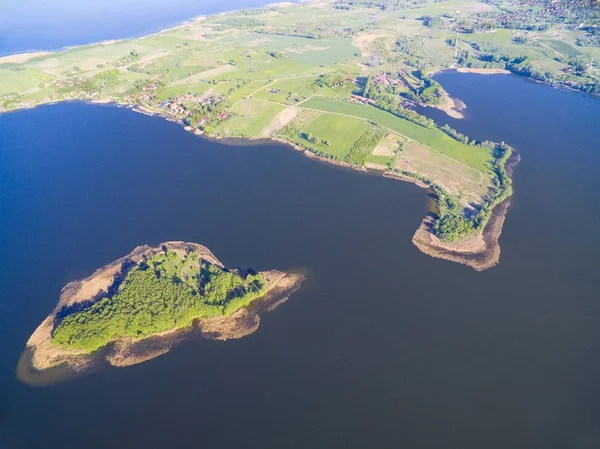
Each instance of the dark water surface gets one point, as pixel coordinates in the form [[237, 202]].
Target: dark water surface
[[47, 25], [383, 347]]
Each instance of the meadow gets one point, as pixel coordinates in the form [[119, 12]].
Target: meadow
[[477, 158], [249, 118]]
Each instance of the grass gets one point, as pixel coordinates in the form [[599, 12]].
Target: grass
[[415, 151], [562, 47], [180, 89], [340, 131], [251, 117], [294, 90], [305, 51], [21, 80], [497, 37], [88, 56], [244, 91], [290, 91], [380, 160], [474, 157]]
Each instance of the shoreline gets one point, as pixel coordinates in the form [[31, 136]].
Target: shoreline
[[133, 37], [480, 251], [42, 356], [483, 71], [468, 251]]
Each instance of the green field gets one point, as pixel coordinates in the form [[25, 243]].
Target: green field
[[305, 51], [181, 89], [433, 138], [20, 80], [251, 117], [380, 160], [341, 132], [562, 47], [288, 91]]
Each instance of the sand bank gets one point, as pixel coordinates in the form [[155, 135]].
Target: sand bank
[[483, 71], [22, 57]]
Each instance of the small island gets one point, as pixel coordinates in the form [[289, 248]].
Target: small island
[[141, 305]]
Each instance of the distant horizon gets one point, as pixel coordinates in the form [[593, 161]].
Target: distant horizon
[[67, 24]]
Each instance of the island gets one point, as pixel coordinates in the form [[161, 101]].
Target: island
[[341, 81], [141, 305]]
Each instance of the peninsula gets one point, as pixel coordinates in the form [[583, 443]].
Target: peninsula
[[339, 80], [139, 306]]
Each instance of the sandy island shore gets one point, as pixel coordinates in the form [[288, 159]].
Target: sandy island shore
[[42, 354]]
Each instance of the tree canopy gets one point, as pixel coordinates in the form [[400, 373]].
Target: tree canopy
[[163, 293]]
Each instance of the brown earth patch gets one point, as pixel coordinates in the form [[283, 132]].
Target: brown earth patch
[[279, 121], [22, 57]]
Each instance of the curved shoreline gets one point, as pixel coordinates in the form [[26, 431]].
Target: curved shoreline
[[468, 251], [42, 355], [480, 251]]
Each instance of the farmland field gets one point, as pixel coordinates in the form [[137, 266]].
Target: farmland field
[[562, 47], [341, 132], [251, 117], [21, 79], [477, 158]]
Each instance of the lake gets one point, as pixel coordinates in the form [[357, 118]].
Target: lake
[[27, 25], [382, 347]]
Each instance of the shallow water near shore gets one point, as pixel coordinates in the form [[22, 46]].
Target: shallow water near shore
[[382, 347]]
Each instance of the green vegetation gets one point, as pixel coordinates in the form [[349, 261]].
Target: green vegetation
[[364, 146], [335, 78], [452, 224], [433, 138], [163, 293]]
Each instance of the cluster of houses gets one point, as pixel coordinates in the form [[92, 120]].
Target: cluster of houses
[[350, 79], [177, 106], [385, 79], [362, 99]]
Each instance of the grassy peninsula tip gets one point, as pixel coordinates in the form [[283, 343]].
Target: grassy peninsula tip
[[341, 81]]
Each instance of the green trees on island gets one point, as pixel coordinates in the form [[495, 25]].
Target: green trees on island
[[163, 293]]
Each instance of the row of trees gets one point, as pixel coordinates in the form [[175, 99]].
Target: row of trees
[[364, 146]]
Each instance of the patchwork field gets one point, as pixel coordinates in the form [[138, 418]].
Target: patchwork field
[[250, 118], [340, 132], [562, 47], [477, 158], [19, 79]]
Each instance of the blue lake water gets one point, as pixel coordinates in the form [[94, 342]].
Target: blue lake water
[[47, 25], [383, 347]]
